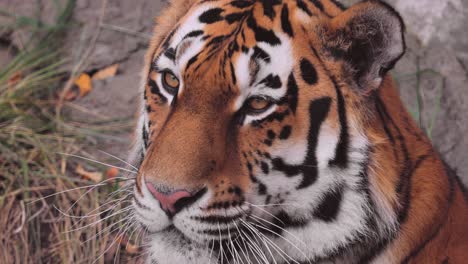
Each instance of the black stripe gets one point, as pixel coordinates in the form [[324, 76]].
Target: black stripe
[[271, 135], [303, 7], [241, 3], [217, 232], [318, 111], [142, 206], [289, 170], [233, 73], [317, 4], [191, 61], [308, 72], [285, 132], [285, 23], [168, 39], [170, 53], [265, 168], [329, 207], [260, 54], [235, 17], [282, 221], [292, 93], [276, 116], [193, 34], [213, 219], [387, 131], [272, 81], [421, 246], [341, 152], [262, 34], [403, 186], [145, 136], [269, 7], [187, 201], [451, 196], [339, 5], [262, 189], [452, 173], [211, 16], [215, 41], [154, 89]]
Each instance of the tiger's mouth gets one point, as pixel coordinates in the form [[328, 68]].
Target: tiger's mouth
[[228, 238], [208, 229], [202, 223], [210, 215]]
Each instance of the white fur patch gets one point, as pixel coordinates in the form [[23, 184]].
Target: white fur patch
[[281, 64]]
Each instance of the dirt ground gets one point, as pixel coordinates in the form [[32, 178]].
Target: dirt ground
[[436, 63]]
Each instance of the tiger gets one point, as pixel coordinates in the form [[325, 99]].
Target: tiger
[[271, 131]]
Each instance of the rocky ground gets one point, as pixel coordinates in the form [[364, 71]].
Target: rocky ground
[[436, 64]]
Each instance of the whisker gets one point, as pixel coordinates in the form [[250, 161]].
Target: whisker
[[98, 162], [99, 184], [212, 248], [89, 215], [231, 243], [286, 231], [100, 220], [277, 226], [263, 210], [257, 245], [278, 204], [277, 247], [257, 233], [221, 245], [252, 248], [237, 242], [108, 248], [119, 159], [125, 219]]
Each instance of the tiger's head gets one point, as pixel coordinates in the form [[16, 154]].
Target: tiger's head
[[252, 126]]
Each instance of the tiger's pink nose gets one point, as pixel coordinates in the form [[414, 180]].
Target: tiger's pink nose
[[172, 202]]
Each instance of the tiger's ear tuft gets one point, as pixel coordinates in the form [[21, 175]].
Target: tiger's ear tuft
[[369, 37]]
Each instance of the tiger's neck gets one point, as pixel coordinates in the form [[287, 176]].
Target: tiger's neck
[[407, 177]]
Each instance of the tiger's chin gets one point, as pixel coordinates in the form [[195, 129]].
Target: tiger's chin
[[173, 245]]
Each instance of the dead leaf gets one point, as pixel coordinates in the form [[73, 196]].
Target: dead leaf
[[84, 84], [107, 72], [132, 249], [112, 173], [129, 246], [15, 78], [93, 176]]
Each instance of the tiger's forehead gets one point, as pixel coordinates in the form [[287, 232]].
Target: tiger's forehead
[[251, 42]]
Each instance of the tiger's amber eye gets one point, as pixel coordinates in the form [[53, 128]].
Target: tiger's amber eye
[[258, 104], [170, 80]]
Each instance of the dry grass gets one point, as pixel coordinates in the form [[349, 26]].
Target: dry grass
[[47, 213]]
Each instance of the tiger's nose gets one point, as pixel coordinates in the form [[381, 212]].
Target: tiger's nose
[[173, 202]]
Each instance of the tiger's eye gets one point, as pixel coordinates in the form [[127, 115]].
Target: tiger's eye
[[170, 80], [258, 104]]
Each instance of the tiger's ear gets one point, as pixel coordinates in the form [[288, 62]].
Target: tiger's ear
[[369, 38]]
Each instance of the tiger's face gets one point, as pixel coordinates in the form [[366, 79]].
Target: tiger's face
[[252, 124]]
